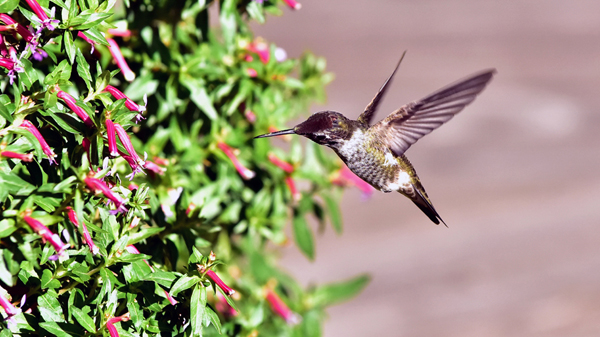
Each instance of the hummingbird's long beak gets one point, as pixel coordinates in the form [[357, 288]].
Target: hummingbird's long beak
[[277, 133]]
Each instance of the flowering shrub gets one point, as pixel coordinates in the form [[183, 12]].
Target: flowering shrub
[[133, 199]]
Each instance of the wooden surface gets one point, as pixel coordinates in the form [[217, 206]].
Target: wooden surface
[[516, 175]]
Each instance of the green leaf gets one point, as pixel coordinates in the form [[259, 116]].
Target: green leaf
[[184, 282], [69, 46], [50, 308], [85, 20], [334, 213], [84, 319], [214, 319], [83, 69], [199, 96], [48, 280], [60, 74], [55, 329], [7, 227], [29, 75], [143, 234], [7, 6], [335, 293], [303, 236], [161, 277], [197, 309]]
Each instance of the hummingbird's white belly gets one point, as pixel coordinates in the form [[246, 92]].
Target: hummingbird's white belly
[[382, 170]]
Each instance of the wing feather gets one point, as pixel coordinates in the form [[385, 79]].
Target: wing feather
[[405, 126], [371, 108]]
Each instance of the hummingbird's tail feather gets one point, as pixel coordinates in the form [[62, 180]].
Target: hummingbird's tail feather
[[426, 207]]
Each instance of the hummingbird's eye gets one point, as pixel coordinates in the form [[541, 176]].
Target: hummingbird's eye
[[319, 138]]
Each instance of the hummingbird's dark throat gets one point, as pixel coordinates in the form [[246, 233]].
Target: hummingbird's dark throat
[[277, 133]]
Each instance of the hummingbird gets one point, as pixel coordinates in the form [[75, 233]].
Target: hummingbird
[[375, 153]]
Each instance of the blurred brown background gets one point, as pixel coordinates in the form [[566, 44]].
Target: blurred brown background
[[515, 175]]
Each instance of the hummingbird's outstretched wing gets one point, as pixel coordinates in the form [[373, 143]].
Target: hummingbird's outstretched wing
[[405, 126], [370, 110]]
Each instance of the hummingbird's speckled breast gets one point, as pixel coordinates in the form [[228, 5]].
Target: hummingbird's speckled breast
[[369, 159]]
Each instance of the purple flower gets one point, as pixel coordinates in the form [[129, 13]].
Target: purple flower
[[39, 54], [28, 157]]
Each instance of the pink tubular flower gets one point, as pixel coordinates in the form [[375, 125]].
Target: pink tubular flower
[[45, 233], [98, 186], [279, 308], [36, 133], [191, 207], [135, 167], [243, 171], [261, 48], [7, 63], [250, 116], [28, 157], [213, 276], [10, 310], [110, 324], [293, 4], [121, 63], [251, 72], [86, 235], [224, 308], [70, 101], [287, 167], [344, 177], [119, 32], [292, 186], [3, 49], [131, 105], [112, 138], [152, 167], [127, 143], [21, 30], [87, 39], [37, 9]]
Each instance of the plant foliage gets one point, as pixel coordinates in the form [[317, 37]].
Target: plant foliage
[[127, 218]]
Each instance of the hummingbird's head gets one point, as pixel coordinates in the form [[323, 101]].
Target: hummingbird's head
[[325, 128]]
